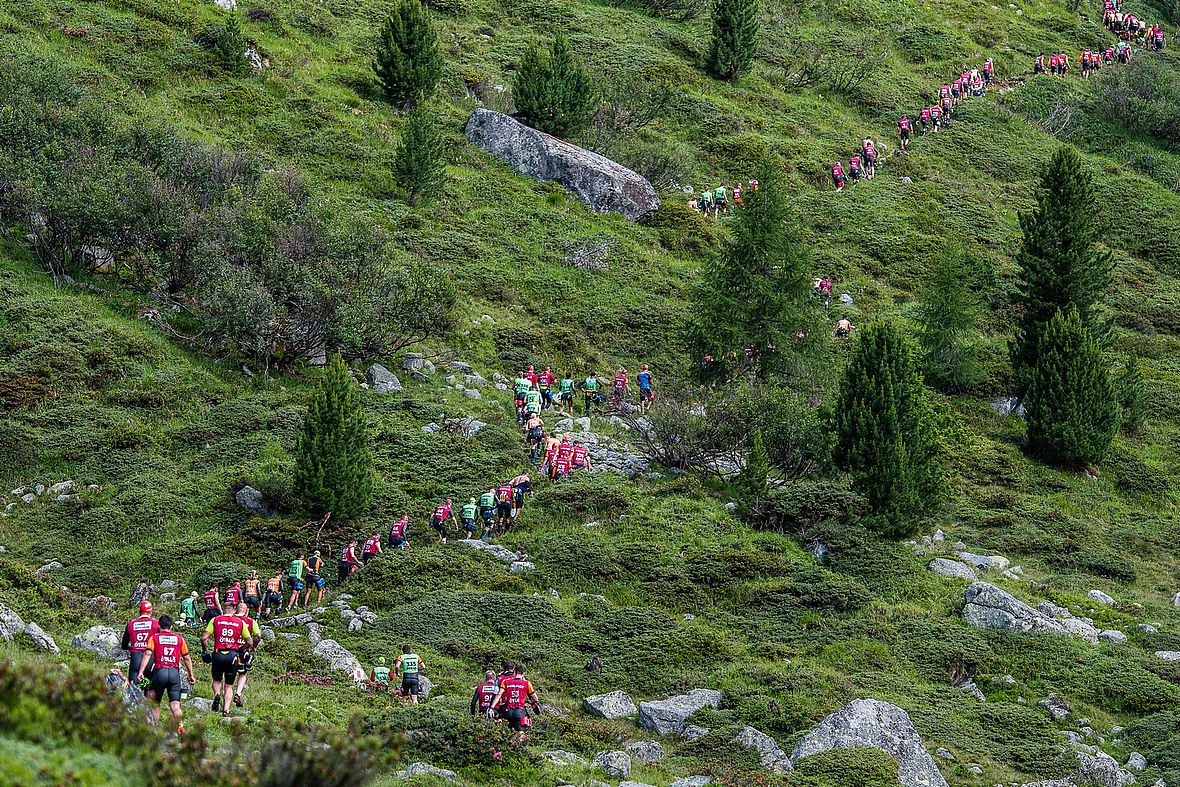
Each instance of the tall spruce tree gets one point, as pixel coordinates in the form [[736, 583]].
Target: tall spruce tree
[[948, 322], [1070, 407], [408, 62], [552, 91], [417, 165], [754, 299], [333, 466], [1059, 264], [735, 38], [884, 431], [1132, 396]]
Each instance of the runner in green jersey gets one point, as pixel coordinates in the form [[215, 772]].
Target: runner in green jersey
[[566, 394], [590, 389]]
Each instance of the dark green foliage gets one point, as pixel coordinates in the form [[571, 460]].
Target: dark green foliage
[[751, 482], [1070, 407], [735, 38], [1132, 396], [418, 165], [756, 295], [1059, 264], [408, 62], [333, 466], [948, 322], [846, 768], [220, 575], [226, 43], [884, 431], [552, 90], [809, 502]]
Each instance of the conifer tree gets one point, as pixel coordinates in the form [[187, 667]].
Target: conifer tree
[[417, 165], [1132, 396], [1059, 264], [1070, 407], [735, 38], [752, 480], [552, 90], [333, 466], [948, 321], [884, 431], [408, 62], [754, 300]]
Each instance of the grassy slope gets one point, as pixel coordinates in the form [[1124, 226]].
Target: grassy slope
[[167, 434]]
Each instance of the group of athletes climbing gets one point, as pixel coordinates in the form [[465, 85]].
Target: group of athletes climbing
[[1127, 28], [930, 120], [535, 392], [721, 199]]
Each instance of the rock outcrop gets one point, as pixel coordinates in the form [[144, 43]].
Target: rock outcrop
[[612, 705], [952, 568], [383, 380], [872, 724], [989, 607], [668, 716], [41, 639], [602, 184], [495, 550], [648, 752], [102, 641], [337, 656], [771, 755], [616, 764], [11, 624]]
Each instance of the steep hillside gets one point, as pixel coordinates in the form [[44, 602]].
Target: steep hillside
[[654, 578]]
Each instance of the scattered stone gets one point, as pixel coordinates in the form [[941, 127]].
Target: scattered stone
[[1136, 762], [944, 754], [984, 562], [1168, 655], [668, 716], [167, 597], [413, 361], [288, 635], [907, 180], [616, 764], [987, 606], [692, 732], [41, 639], [226, 5], [355, 625], [771, 755], [471, 393], [1101, 769], [52, 565], [337, 656], [11, 623], [602, 184], [28, 498], [876, 725], [952, 568], [495, 550], [431, 427], [1176, 600], [102, 641], [521, 566], [692, 781], [1056, 705], [1101, 598], [425, 769], [315, 633], [648, 752], [565, 758], [201, 704], [689, 616], [268, 634], [1005, 680], [1112, 636], [1147, 628], [612, 705], [63, 487], [250, 499], [1075, 738], [383, 380], [846, 299]]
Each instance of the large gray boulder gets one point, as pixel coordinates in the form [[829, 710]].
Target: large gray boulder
[[772, 756], [11, 624], [872, 724], [612, 705], [251, 500], [952, 568], [383, 380], [602, 184], [985, 562], [616, 764], [337, 656], [648, 752], [102, 641], [668, 716], [426, 769], [989, 607], [41, 639]]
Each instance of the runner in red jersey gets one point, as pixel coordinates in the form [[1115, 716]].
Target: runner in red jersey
[[226, 631], [166, 650], [516, 694], [438, 520], [545, 382], [247, 643], [372, 548], [904, 131], [580, 459], [212, 604], [233, 595], [137, 634], [481, 702]]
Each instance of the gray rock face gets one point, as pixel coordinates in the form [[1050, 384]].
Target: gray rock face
[[1168, 655], [1056, 706], [41, 639], [989, 607], [772, 756], [413, 361], [985, 562], [612, 705], [1136, 762], [1101, 598], [564, 758], [648, 752], [1100, 769], [521, 566], [356, 624], [616, 764], [1112, 636], [250, 499], [495, 550], [873, 724], [425, 686], [692, 732], [383, 380], [102, 641], [597, 181], [952, 568], [11, 624], [336, 655], [426, 769], [315, 633], [668, 717]]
